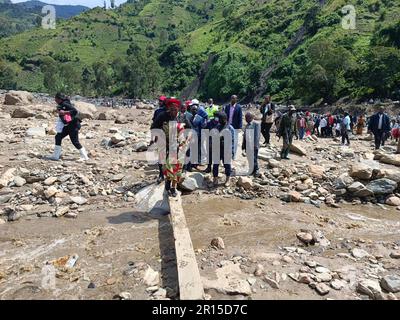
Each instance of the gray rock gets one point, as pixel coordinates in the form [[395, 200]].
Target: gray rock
[[19, 181], [22, 113], [359, 253], [359, 190], [370, 288], [391, 283], [36, 132], [382, 186], [218, 243], [189, 184], [140, 146], [153, 199], [322, 289], [117, 177], [79, 200]]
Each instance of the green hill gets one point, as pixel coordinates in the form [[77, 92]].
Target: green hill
[[294, 49], [22, 16]]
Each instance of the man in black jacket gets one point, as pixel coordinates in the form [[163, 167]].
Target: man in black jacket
[[267, 111], [379, 125], [68, 124]]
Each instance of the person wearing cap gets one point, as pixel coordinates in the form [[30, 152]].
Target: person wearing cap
[[172, 167], [211, 109], [268, 113], [235, 118], [287, 129], [379, 125], [161, 107], [68, 124]]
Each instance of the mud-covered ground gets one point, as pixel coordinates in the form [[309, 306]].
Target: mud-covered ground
[[326, 245]]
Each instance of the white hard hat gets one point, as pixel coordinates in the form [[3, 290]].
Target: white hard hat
[[194, 102]]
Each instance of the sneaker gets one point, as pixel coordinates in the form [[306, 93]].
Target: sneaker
[[173, 193], [228, 182], [160, 179]]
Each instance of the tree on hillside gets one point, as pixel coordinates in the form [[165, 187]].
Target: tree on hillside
[[381, 72], [102, 78], [141, 75], [49, 69], [326, 73], [86, 81], [8, 78]]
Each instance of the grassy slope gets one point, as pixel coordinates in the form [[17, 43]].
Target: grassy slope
[[267, 29]]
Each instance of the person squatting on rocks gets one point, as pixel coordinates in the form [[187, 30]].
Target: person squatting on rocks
[[379, 125], [172, 164], [251, 143], [267, 110], [225, 131], [68, 124], [287, 129]]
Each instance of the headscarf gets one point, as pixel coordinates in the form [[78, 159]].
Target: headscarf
[[173, 102]]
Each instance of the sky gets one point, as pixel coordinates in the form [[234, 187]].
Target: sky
[[87, 3]]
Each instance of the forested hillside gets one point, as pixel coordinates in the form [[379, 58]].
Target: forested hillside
[[294, 49]]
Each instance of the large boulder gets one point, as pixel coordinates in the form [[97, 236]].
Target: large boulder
[[382, 186], [117, 138], [152, 199], [245, 182], [13, 98], [357, 189], [391, 283], [391, 174], [86, 110], [121, 120], [295, 148], [316, 171], [393, 159], [343, 181], [360, 171], [106, 115], [7, 177], [192, 182], [22, 113], [393, 201]]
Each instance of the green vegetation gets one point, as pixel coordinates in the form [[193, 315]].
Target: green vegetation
[[294, 50]]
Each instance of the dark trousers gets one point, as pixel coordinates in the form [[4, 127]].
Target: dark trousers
[[73, 133], [266, 131], [345, 136], [379, 138], [302, 132], [256, 168], [227, 166]]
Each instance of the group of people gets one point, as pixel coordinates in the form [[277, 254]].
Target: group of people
[[227, 122], [191, 115], [331, 126]]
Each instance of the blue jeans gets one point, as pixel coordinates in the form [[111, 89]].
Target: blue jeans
[[301, 133]]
